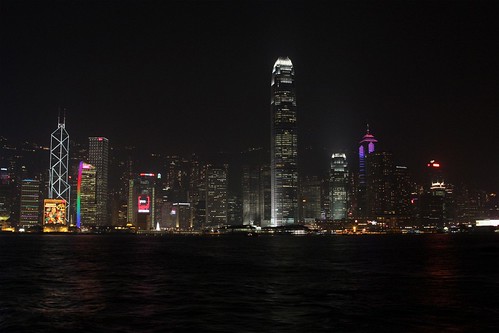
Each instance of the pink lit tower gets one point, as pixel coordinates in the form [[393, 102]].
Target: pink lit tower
[[366, 147]]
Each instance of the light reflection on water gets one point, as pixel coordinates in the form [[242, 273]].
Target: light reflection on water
[[129, 283]]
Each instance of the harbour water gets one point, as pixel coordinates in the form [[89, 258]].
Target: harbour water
[[235, 283]]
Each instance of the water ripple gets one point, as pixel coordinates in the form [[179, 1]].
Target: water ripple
[[271, 284]]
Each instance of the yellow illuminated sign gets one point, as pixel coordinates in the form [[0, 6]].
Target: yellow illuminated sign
[[54, 212]]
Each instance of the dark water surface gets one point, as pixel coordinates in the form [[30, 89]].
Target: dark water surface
[[130, 283]]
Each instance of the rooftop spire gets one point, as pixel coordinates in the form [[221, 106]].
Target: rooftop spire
[[62, 123], [368, 137]]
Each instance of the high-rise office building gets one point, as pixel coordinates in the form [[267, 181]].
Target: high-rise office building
[[366, 147], [176, 178], [216, 196], [142, 201], [471, 204], [310, 199], [432, 203], [59, 187], [403, 189], [434, 175], [234, 209], [6, 195], [284, 144], [86, 205], [325, 199], [380, 187], [338, 186], [251, 183], [31, 198], [98, 156], [255, 187], [182, 213], [197, 191], [265, 196]]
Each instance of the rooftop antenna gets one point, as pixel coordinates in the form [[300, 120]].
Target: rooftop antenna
[[63, 122]]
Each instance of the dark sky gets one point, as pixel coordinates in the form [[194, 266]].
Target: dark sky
[[194, 76]]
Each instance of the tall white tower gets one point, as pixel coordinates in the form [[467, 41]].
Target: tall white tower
[[284, 145], [338, 186], [59, 187]]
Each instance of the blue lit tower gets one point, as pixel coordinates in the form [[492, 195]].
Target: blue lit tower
[[284, 139], [366, 147], [59, 187]]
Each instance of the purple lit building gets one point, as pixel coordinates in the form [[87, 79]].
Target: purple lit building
[[366, 147]]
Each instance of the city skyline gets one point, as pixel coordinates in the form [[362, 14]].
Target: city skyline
[[194, 76]]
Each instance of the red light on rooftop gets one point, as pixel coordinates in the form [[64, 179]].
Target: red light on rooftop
[[147, 174], [100, 139]]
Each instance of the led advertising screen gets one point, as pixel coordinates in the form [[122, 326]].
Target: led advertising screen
[[54, 211], [144, 205]]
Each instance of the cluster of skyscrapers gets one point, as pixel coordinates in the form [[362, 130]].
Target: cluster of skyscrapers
[[90, 188]]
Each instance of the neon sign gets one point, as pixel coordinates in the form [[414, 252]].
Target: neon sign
[[144, 204]]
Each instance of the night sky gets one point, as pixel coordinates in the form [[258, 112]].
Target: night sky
[[194, 76]]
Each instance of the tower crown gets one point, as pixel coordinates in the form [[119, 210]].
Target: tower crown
[[368, 137], [283, 61]]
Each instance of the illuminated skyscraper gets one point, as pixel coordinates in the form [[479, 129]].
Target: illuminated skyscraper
[[234, 209], [404, 189], [435, 176], [251, 194], [284, 144], [98, 156], [30, 217], [265, 196], [59, 187], [6, 196], [176, 178], [142, 201], [338, 186], [85, 196], [380, 187], [432, 203], [216, 195], [366, 147], [197, 191]]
